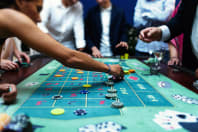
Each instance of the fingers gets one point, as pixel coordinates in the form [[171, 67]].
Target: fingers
[[27, 58], [174, 61], [9, 65], [122, 44], [10, 96], [150, 34], [97, 54]]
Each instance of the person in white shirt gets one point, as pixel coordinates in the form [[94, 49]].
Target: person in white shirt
[[106, 30], [152, 13], [63, 20]]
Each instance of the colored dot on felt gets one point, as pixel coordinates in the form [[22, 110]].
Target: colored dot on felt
[[57, 111], [131, 70], [87, 86], [62, 70], [74, 78], [58, 75], [80, 72]]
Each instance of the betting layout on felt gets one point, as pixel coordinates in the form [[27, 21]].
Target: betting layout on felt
[[171, 120]]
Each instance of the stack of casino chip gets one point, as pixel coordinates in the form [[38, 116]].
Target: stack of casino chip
[[80, 112]]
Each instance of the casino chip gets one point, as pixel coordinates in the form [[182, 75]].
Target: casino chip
[[84, 92], [109, 83], [117, 104], [87, 85], [57, 111], [112, 90], [74, 78], [126, 72], [80, 112], [62, 70], [80, 72], [131, 70], [58, 75], [55, 97], [111, 96]]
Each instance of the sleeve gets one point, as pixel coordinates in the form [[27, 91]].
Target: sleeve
[[138, 19], [176, 24], [79, 28], [167, 7], [124, 28], [88, 30], [45, 16]]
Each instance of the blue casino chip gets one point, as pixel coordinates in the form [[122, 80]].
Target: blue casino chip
[[80, 112], [84, 92]]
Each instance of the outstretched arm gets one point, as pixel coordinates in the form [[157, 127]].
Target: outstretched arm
[[28, 32]]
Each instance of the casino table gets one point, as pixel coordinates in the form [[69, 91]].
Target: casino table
[[142, 94]]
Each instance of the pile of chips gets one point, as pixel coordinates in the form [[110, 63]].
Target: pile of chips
[[107, 126], [80, 112]]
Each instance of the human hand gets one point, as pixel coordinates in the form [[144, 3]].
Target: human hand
[[20, 55], [96, 53], [174, 61], [122, 44], [117, 71], [150, 34], [9, 96], [8, 65]]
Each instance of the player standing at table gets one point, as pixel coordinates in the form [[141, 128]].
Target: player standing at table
[[63, 20], [185, 21], [14, 22], [152, 13], [9, 51], [106, 30]]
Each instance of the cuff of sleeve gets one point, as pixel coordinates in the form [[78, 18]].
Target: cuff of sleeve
[[165, 33], [80, 44]]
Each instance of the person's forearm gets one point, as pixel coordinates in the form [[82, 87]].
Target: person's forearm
[[173, 51], [84, 62]]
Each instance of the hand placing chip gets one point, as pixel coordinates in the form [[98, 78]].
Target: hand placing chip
[[117, 72]]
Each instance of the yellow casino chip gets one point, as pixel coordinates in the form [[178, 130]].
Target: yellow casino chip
[[80, 72], [62, 70], [57, 111], [74, 78], [58, 75], [87, 85]]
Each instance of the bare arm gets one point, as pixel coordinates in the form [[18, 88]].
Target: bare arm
[[28, 32]]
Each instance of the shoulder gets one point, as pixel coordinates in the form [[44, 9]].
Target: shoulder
[[10, 15], [11, 20], [94, 9], [117, 10], [78, 6]]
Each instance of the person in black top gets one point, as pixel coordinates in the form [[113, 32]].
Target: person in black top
[[15, 21], [186, 21]]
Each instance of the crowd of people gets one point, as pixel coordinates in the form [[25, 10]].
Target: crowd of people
[[59, 29]]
